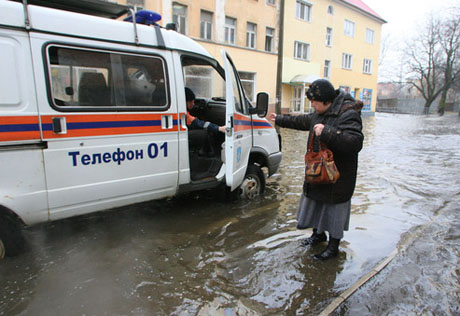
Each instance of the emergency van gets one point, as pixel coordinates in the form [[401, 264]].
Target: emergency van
[[93, 115]]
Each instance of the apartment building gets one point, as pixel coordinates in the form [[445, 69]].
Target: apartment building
[[337, 40], [334, 39], [247, 29]]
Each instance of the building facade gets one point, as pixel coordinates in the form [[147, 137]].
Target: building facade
[[334, 39]]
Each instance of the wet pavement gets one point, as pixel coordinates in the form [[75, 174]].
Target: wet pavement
[[195, 255]]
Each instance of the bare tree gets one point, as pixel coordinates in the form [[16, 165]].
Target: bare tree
[[449, 38], [424, 63], [434, 59]]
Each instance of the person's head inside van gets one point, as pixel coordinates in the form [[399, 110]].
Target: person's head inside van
[[189, 98], [196, 123]]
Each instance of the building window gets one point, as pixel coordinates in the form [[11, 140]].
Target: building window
[[303, 11], [369, 36], [301, 50], [349, 28], [269, 38], [271, 2], [328, 36], [330, 10], [367, 66], [230, 30], [206, 25], [251, 31], [327, 68], [180, 17], [248, 80], [347, 61], [296, 99]]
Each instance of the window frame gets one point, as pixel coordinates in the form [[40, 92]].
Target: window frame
[[205, 24], [299, 44], [329, 36], [176, 16], [296, 104], [251, 35], [271, 38], [367, 66], [327, 68], [349, 28], [301, 7], [114, 108], [369, 36], [347, 61], [230, 31]]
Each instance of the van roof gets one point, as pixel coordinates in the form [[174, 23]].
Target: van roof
[[67, 23], [100, 8]]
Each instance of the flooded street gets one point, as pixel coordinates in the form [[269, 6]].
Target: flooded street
[[195, 255]]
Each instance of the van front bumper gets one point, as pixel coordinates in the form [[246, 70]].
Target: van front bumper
[[274, 161]]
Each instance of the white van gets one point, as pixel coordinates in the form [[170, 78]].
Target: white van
[[92, 115]]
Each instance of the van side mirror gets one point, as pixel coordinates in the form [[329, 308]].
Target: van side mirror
[[261, 104]]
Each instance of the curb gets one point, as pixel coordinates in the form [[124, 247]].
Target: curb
[[379, 267], [348, 292]]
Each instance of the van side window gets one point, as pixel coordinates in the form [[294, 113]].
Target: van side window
[[82, 79], [10, 83], [207, 82], [203, 79]]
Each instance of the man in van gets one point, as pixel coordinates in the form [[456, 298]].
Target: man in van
[[194, 122], [208, 139]]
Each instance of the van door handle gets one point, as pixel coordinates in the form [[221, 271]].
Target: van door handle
[[183, 121], [59, 125], [167, 122]]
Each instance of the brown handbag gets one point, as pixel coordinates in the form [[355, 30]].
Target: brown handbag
[[319, 161]]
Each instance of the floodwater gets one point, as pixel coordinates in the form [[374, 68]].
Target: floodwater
[[195, 255]]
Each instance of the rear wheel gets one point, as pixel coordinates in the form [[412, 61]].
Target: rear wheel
[[12, 241], [253, 184], [2, 249]]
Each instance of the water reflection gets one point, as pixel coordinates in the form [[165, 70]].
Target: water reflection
[[194, 255]]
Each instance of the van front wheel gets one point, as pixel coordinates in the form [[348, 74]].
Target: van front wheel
[[253, 184], [2, 249], [12, 241]]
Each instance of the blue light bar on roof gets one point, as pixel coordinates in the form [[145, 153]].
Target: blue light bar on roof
[[145, 17]]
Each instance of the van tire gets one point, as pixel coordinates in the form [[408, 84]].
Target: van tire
[[2, 249], [12, 241], [253, 183]]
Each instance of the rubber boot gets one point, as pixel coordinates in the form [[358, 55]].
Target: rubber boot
[[331, 251], [315, 238]]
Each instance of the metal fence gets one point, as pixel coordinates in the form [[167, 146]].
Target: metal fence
[[411, 106]]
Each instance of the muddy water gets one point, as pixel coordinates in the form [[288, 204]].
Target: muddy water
[[195, 255]]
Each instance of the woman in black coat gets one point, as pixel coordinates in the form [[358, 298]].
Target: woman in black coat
[[337, 123]]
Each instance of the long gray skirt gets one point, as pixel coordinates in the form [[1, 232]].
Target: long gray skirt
[[333, 218]]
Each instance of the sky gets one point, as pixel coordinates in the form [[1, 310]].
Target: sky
[[404, 18]]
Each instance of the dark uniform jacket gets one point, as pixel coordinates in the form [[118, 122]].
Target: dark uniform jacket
[[342, 135]]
